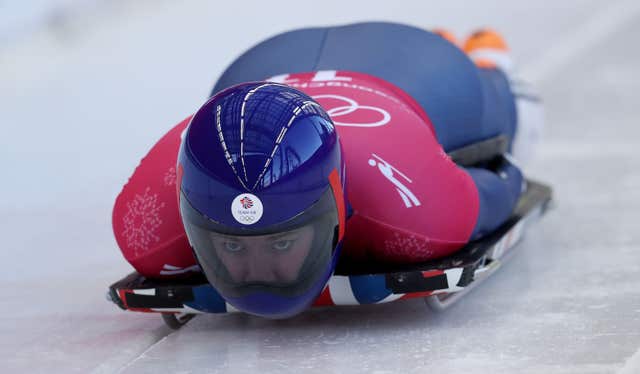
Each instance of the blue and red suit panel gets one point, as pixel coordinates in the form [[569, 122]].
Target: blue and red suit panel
[[406, 106]]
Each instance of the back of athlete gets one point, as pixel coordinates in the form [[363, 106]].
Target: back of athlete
[[409, 201]]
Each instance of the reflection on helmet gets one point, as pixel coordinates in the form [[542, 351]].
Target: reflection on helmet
[[261, 197]]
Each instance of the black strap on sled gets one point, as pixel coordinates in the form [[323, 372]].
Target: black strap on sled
[[482, 151]]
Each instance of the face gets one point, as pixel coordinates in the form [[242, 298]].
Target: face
[[273, 258]]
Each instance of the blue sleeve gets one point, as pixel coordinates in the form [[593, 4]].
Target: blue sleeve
[[498, 192]]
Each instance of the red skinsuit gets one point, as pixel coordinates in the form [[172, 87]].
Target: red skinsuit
[[410, 201]]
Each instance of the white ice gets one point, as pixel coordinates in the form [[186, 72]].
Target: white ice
[[84, 98]]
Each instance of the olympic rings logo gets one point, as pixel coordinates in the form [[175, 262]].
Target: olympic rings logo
[[350, 107], [247, 219]]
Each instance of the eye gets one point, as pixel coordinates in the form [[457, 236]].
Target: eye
[[282, 245], [233, 246]]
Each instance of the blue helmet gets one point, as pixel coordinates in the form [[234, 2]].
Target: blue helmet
[[261, 196]]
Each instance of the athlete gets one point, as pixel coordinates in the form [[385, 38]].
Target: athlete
[[336, 148]]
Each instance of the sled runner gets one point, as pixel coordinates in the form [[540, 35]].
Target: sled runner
[[440, 282]]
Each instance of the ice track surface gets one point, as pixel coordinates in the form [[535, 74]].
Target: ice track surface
[[83, 100]]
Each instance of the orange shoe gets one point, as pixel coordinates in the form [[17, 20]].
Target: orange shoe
[[488, 50], [447, 35]]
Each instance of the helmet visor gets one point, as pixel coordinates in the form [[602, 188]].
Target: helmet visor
[[284, 260]]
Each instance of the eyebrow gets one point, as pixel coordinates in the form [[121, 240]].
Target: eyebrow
[[222, 236], [281, 235], [272, 237]]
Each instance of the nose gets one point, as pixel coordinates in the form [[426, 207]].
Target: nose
[[260, 267]]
